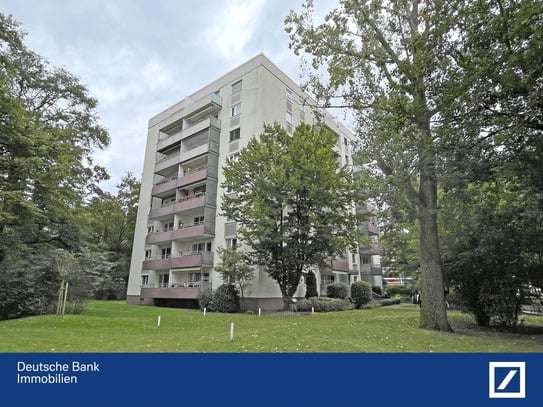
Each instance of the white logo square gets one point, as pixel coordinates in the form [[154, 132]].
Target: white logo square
[[507, 380]]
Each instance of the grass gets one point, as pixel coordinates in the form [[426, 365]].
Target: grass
[[118, 327]]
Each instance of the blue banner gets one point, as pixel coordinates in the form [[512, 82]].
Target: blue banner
[[262, 380]]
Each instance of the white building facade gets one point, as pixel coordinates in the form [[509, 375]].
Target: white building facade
[[179, 226]]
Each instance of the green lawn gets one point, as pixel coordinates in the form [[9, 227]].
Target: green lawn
[[118, 327]]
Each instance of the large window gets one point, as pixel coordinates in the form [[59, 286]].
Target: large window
[[166, 253], [231, 243]]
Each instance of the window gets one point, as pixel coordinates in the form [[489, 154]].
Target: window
[[201, 247], [199, 220], [144, 279], [168, 227], [150, 229], [200, 189], [236, 87], [163, 280], [365, 260], [231, 243], [234, 157], [235, 134], [289, 117], [235, 109], [166, 253], [148, 253], [288, 94]]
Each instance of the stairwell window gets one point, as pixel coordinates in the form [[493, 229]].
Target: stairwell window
[[235, 134], [235, 109], [236, 87]]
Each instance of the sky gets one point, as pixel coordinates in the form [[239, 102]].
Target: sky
[[138, 57]]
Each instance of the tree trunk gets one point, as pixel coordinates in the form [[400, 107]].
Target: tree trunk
[[433, 314]]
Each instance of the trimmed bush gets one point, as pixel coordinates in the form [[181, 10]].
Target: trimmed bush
[[311, 285], [223, 299], [361, 293], [390, 301], [226, 298], [377, 290], [324, 304], [398, 289], [206, 300], [337, 290]]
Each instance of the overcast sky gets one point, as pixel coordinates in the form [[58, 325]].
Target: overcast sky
[[138, 57]]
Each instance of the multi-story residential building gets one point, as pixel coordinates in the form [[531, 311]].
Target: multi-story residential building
[[179, 225]]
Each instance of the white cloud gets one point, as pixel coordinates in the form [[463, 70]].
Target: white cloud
[[233, 26]]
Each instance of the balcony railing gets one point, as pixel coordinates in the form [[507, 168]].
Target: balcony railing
[[181, 260], [340, 265], [166, 142], [188, 202], [173, 183], [187, 231]]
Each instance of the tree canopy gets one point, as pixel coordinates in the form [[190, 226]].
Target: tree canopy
[[443, 93], [292, 203]]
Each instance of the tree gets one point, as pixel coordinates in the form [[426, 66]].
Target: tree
[[235, 269], [108, 224], [291, 202], [388, 61], [48, 131]]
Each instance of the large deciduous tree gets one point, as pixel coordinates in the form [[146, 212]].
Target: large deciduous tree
[[387, 60], [48, 132], [292, 203]]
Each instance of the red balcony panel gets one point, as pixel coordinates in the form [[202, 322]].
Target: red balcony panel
[[340, 265], [171, 292], [190, 202]]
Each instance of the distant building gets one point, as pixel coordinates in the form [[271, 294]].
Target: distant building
[[179, 226]]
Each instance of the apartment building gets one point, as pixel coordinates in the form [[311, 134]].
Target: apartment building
[[179, 225]]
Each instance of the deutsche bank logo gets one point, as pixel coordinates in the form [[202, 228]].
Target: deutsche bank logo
[[507, 380]]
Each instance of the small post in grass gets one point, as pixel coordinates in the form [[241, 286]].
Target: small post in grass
[[205, 310], [260, 312], [158, 321], [312, 310], [231, 331]]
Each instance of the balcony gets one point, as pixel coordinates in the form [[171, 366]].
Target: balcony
[[205, 106], [373, 250], [183, 204], [167, 142], [204, 229], [369, 227], [165, 187], [164, 162], [340, 265], [366, 208], [177, 290], [185, 260], [188, 153]]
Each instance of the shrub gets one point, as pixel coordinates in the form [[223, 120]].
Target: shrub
[[324, 304], [337, 290], [311, 285], [377, 290], [398, 290], [390, 301], [226, 299], [206, 300], [361, 293]]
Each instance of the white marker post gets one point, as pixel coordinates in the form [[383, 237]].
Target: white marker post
[[231, 331], [205, 310], [158, 322], [260, 312], [312, 310]]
